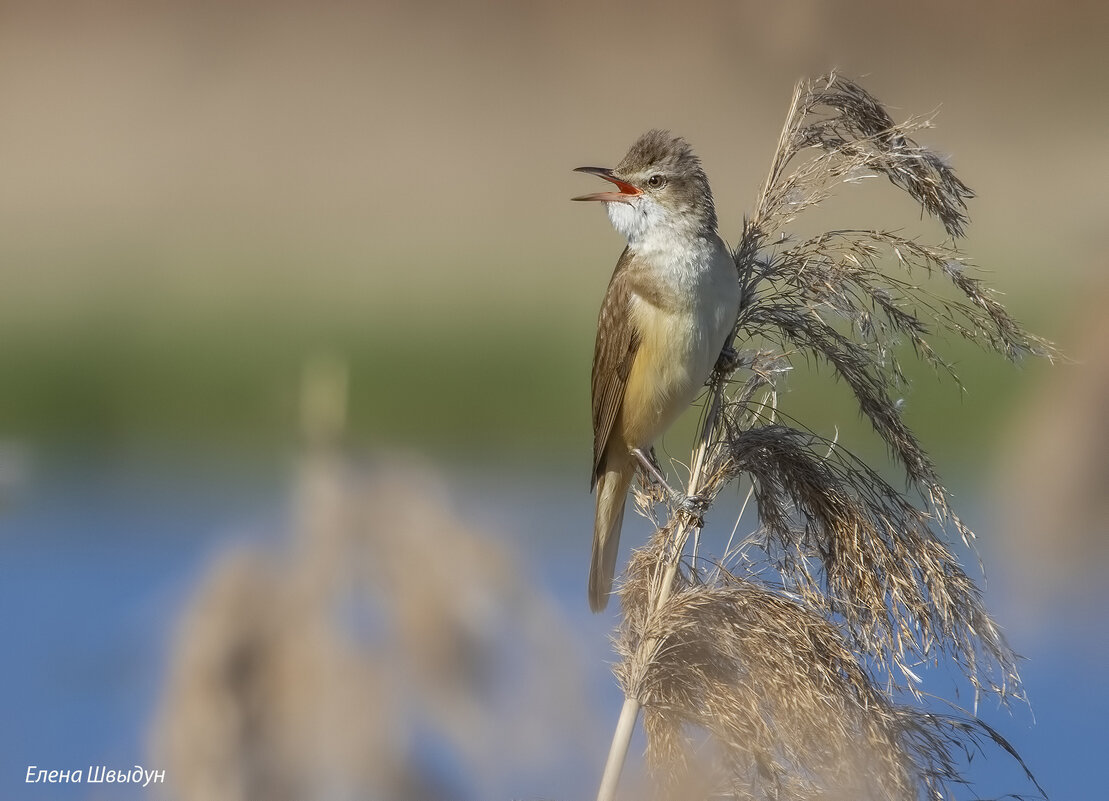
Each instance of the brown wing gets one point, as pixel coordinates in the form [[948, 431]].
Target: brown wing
[[616, 345]]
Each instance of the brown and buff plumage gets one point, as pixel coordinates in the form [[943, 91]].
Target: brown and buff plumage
[[670, 305]]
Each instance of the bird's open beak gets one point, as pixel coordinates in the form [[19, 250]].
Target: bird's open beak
[[626, 193]]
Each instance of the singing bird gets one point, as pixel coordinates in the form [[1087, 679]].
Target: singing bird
[[669, 310]]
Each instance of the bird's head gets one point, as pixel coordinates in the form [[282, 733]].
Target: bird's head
[[660, 188]]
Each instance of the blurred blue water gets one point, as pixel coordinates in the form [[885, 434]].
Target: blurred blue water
[[98, 558], [96, 561]]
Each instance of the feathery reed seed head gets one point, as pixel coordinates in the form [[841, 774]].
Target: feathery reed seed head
[[783, 677]]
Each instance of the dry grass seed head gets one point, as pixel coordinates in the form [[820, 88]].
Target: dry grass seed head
[[780, 681]]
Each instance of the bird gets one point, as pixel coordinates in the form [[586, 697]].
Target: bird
[[668, 313]]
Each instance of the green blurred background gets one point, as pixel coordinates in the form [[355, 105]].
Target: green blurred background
[[198, 199]]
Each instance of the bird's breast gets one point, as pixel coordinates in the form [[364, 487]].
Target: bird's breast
[[682, 318]]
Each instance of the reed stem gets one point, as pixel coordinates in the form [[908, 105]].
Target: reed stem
[[629, 714]]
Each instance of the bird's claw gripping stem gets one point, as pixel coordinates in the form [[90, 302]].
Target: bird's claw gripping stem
[[694, 506], [728, 361]]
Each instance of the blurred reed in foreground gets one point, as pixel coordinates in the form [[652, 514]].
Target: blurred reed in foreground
[[787, 668], [326, 669]]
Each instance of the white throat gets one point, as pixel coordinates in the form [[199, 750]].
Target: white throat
[[649, 228]]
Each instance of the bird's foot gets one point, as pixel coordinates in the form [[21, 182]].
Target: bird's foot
[[694, 507], [728, 361]]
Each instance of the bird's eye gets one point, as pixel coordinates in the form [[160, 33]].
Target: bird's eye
[[656, 181]]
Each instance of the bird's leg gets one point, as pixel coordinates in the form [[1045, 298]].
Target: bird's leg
[[692, 505], [650, 467]]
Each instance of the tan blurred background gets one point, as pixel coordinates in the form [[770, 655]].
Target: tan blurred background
[[198, 199], [195, 195]]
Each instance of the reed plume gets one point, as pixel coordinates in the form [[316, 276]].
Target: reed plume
[[787, 668]]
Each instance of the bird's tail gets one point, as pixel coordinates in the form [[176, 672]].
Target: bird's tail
[[612, 491]]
